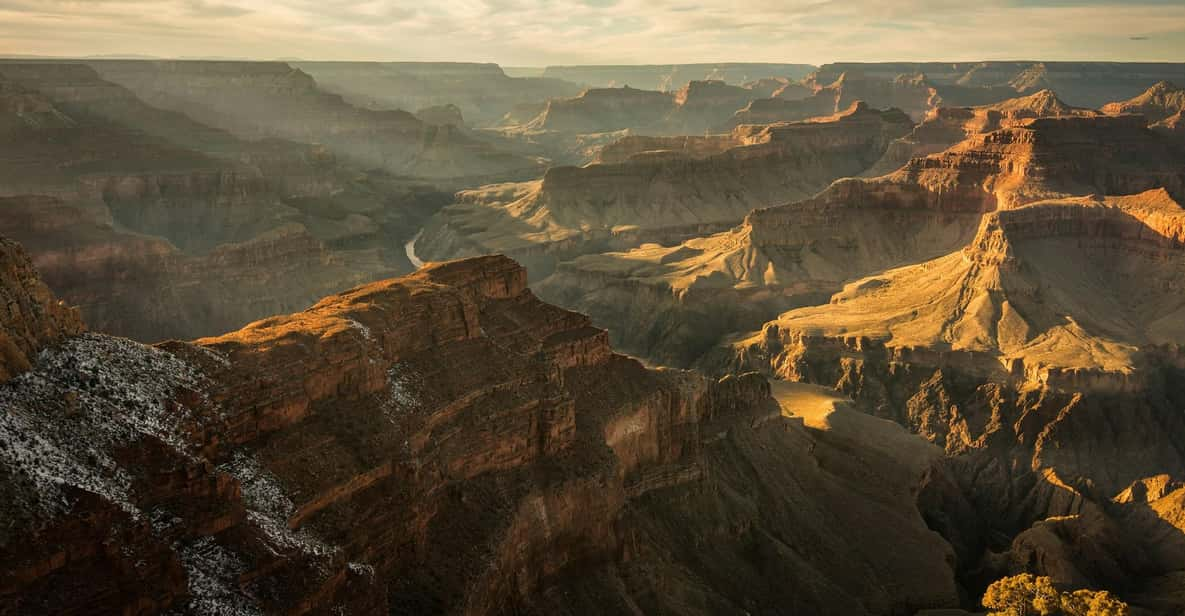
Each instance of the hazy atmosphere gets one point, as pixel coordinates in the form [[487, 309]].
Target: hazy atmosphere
[[541, 32], [592, 308]]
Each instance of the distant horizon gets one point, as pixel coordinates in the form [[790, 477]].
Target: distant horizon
[[537, 33], [147, 57]]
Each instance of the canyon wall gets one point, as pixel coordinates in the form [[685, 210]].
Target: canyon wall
[[665, 194], [439, 443]]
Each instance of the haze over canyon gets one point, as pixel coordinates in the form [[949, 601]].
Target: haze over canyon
[[324, 336]]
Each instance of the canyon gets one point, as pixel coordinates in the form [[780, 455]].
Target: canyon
[[313, 337], [443, 442], [655, 189]]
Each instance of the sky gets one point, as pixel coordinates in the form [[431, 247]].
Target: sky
[[549, 32]]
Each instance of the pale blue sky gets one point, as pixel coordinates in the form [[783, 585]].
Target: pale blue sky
[[540, 32]]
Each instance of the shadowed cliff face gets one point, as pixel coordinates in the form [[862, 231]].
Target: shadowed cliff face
[[446, 443], [33, 318], [652, 189]]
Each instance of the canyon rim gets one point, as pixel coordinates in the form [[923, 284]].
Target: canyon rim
[[561, 308]]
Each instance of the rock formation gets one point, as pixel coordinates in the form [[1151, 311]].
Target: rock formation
[[943, 127], [793, 255], [32, 318], [658, 189], [1084, 84], [158, 226], [441, 443], [672, 77], [483, 92], [1045, 357], [910, 93], [1157, 103], [271, 99]]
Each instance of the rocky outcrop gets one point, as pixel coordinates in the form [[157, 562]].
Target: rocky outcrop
[[793, 255], [661, 194], [440, 443], [1157, 103], [946, 126], [32, 318]]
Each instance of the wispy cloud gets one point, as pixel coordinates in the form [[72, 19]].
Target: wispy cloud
[[535, 32]]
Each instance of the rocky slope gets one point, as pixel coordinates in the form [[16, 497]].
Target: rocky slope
[[441, 443], [1045, 357], [796, 254], [659, 189], [271, 99]]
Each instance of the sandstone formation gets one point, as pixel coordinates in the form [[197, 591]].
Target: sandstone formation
[[1045, 358], [658, 190], [793, 255], [272, 99], [672, 77], [943, 127], [442, 443]]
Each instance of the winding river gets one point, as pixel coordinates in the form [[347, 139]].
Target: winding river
[[410, 249]]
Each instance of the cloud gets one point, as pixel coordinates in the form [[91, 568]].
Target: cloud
[[538, 32], [202, 8]]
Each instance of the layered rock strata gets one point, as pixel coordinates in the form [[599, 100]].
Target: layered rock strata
[[440, 443], [944, 127], [158, 226], [1046, 359], [793, 255], [659, 190]]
